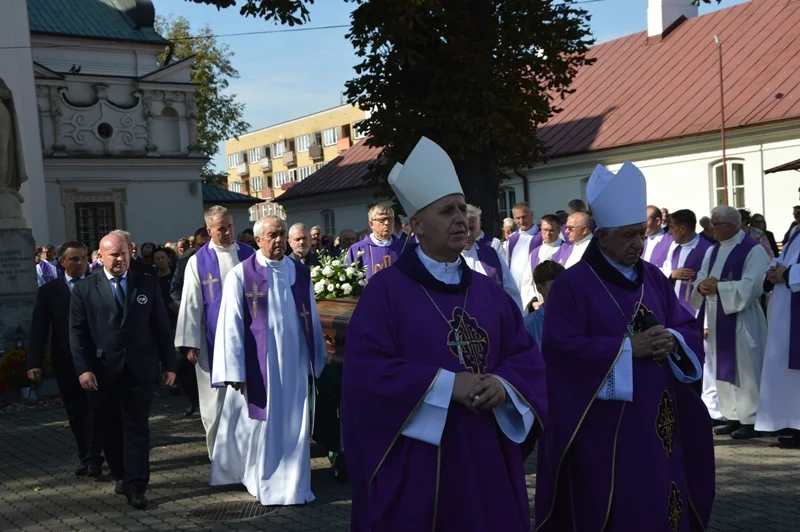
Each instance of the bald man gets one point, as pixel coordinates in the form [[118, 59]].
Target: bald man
[[119, 333]]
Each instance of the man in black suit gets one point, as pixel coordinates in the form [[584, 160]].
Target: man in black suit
[[119, 331], [51, 322], [300, 242]]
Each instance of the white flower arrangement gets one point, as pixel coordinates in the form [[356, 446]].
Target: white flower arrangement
[[333, 278]]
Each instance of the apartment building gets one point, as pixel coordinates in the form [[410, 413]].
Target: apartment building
[[266, 162]]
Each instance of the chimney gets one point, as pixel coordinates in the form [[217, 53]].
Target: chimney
[[662, 15]]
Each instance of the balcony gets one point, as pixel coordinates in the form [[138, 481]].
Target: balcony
[[315, 152], [243, 170], [289, 158], [266, 164], [344, 144]]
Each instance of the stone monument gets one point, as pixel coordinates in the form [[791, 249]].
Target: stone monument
[[18, 285]]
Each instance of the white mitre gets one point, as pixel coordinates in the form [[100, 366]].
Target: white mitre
[[428, 175], [617, 199]]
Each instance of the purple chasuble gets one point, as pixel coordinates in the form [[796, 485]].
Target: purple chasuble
[[255, 285], [794, 330], [536, 241], [397, 342], [725, 332], [490, 261], [694, 261], [46, 271], [211, 288], [660, 251], [643, 465], [377, 258]]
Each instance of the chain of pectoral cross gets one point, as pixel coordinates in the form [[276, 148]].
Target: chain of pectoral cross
[[459, 344]]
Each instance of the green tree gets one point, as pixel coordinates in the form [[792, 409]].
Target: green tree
[[219, 115], [476, 76]]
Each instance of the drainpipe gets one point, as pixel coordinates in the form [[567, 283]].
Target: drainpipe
[[525, 192]]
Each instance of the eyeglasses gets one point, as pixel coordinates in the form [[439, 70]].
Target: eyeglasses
[[719, 224], [383, 220], [574, 227]]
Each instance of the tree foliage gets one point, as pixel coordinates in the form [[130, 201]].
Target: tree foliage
[[476, 76], [219, 116]]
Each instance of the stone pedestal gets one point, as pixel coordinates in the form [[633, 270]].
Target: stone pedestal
[[18, 286]]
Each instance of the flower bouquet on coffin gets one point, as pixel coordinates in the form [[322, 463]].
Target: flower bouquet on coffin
[[334, 279]]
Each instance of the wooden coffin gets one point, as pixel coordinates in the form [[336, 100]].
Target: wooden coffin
[[335, 315]]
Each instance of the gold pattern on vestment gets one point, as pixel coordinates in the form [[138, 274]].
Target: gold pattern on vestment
[[674, 508], [468, 341], [210, 284], [254, 295], [665, 423]]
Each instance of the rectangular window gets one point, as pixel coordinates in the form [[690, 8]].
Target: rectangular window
[[316, 140], [255, 155], [266, 152], [277, 150], [257, 183], [291, 176], [304, 172], [329, 222], [358, 133], [236, 186], [318, 166], [733, 194], [330, 136], [302, 142], [279, 178], [94, 221], [233, 160], [506, 201]]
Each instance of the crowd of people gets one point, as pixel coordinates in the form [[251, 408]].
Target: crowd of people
[[610, 334]]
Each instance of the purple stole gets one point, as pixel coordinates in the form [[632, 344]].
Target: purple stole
[[560, 252], [490, 261], [536, 241], [726, 323], [46, 271], [694, 261], [255, 286], [211, 288], [794, 310], [661, 250]]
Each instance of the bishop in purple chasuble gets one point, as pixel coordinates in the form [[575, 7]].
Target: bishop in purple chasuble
[[609, 465], [208, 271], [374, 257], [398, 343]]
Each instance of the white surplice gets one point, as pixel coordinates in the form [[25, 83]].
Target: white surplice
[[779, 400], [509, 285], [709, 395], [739, 401], [578, 249], [652, 242], [528, 288], [271, 458], [519, 259], [191, 332], [497, 245]]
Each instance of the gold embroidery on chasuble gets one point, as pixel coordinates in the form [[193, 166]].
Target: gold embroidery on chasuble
[[468, 341], [674, 508], [665, 423]]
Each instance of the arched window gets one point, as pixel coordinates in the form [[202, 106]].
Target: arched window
[[329, 222], [732, 192]]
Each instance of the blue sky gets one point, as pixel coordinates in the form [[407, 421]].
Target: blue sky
[[286, 75]]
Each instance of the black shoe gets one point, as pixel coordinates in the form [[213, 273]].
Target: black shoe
[[727, 428], [94, 471], [718, 422], [138, 501], [790, 441], [190, 411], [80, 471], [745, 432], [118, 487]]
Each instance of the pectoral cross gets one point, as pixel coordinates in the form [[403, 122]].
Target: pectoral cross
[[459, 344], [305, 314], [209, 283], [254, 295]]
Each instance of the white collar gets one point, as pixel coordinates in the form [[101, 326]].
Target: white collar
[[264, 261], [653, 236], [628, 271], [378, 242], [533, 231], [691, 244], [227, 249], [555, 244], [734, 240], [109, 276], [446, 272], [471, 252]]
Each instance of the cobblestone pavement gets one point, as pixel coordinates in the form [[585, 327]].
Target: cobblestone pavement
[[757, 483]]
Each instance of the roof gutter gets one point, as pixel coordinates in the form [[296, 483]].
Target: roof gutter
[[524, 186]]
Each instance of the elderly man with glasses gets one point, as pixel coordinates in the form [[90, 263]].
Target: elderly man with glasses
[[381, 248], [579, 232]]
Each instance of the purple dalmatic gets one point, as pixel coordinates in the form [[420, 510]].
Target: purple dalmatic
[[725, 331], [660, 251], [211, 288], [375, 257], [397, 343], [255, 284], [609, 465]]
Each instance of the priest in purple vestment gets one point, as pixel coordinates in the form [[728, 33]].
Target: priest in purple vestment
[[657, 241], [380, 249], [628, 447], [442, 384]]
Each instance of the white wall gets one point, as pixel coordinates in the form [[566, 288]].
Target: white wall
[[350, 209], [16, 69]]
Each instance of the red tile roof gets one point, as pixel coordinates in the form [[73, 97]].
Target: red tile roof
[[345, 172], [641, 91]]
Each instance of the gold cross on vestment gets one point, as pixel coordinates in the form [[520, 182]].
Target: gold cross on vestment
[[305, 314], [209, 283], [254, 295]]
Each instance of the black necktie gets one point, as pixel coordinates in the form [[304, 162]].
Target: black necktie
[[119, 294]]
